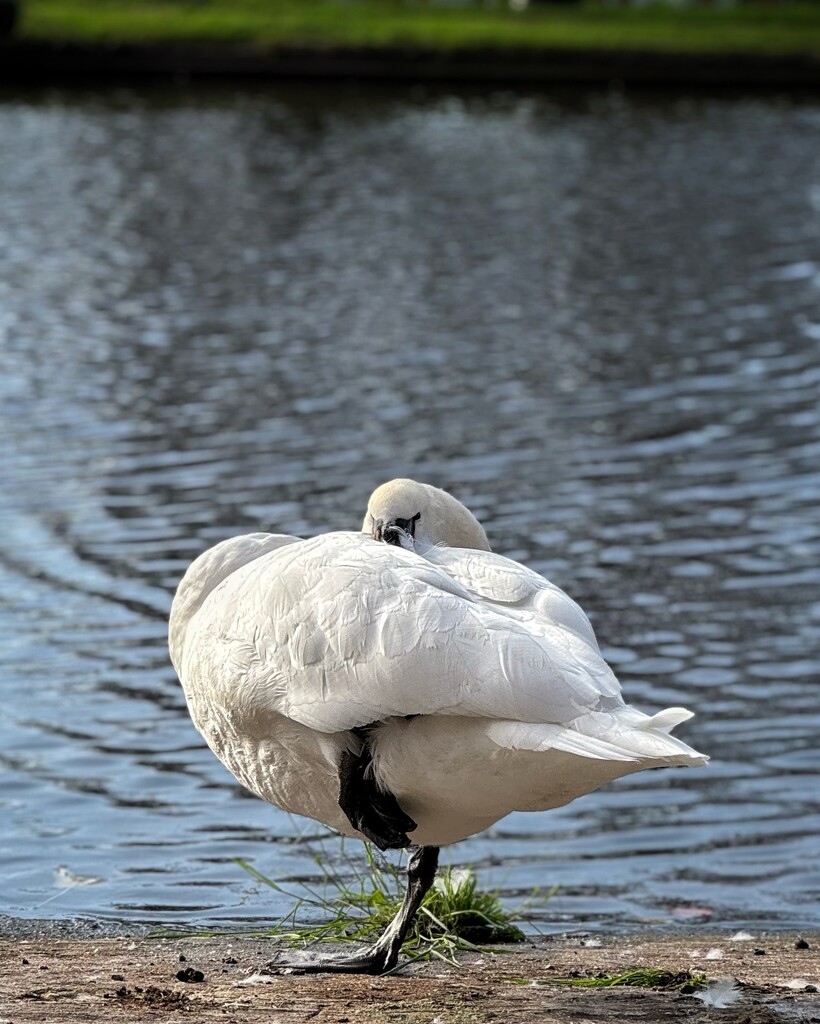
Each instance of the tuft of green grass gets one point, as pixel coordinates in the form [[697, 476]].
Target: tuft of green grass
[[455, 914], [640, 977]]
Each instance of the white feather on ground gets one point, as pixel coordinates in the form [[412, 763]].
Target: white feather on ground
[[720, 994], [256, 979]]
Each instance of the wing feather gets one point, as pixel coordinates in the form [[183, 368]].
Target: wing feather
[[348, 631], [520, 591]]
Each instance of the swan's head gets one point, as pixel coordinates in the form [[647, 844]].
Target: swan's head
[[418, 516]]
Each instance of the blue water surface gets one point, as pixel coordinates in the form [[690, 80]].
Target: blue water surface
[[594, 319]]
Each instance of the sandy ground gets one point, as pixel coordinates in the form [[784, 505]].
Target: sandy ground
[[124, 979]]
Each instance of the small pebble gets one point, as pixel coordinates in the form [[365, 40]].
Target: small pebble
[[760, 952], [182, 959], [190, 974], [24, 960], [810, 988], [801, 944], [118, 977]]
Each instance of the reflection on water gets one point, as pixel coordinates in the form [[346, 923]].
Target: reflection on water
[[596, 322]]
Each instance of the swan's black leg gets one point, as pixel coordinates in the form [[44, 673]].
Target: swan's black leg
[[370, 810], [421, 870]]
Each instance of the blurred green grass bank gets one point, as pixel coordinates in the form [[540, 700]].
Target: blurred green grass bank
[[760, 32], [743, 28]]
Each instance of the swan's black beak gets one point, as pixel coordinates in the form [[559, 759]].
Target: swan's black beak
[[394, 534], [398, 532]]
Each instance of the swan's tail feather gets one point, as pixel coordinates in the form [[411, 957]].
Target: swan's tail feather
[[524, 736], [665, 721], [625, 735]]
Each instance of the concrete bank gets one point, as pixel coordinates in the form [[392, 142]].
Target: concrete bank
[[32, 61], [73, 981]]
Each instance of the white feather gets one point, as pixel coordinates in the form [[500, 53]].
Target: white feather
[[720, 994]]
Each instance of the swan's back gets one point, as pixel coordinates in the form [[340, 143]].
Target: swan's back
[[513, 588], [341, 631]]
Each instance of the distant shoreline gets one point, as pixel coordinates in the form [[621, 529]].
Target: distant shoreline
[[32, 62]]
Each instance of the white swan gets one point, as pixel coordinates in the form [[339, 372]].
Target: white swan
[[403, 684]]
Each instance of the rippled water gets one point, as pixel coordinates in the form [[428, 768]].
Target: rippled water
[[596, 321]]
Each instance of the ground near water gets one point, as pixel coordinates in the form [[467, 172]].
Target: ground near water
[[123, 979]]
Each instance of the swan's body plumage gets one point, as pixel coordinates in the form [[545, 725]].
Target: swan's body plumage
[[483, 681]]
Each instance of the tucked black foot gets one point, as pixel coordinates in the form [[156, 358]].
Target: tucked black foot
[[371, 811]]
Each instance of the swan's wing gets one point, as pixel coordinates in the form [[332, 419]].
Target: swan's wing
[[341, 631], [503, 582], [205, 574]]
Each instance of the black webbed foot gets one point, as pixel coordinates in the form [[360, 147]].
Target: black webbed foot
[[384, 956], [369, 961]]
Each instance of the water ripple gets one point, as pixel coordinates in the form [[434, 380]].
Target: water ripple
[[596, 321]]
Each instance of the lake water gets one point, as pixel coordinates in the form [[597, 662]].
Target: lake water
[[594, 319]]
